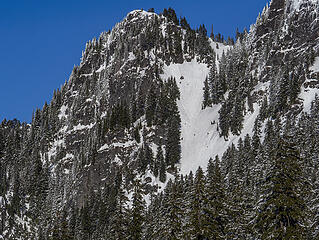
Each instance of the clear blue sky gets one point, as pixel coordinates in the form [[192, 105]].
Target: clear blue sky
[[41, 40]]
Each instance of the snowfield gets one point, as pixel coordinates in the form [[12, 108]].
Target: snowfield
[[200, 137]]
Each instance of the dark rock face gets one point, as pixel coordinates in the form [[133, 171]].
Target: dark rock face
[[274, 20]]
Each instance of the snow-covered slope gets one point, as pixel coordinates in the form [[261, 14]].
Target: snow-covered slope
[[200, 137]]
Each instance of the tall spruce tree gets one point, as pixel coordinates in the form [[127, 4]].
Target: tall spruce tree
[[137, 212], [173, 141], [282, 214], [215, 208], [207, 98], [198, 195]]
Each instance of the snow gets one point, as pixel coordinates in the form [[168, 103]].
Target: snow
[[62, 112], [63, 130], [315, 66], [141, 13], [124, 145], [103, 148], [57, 143], [81, 127], [261, 86], [102, 67], [200, 138], [131, 56], [308, 95], [154, 182], [117, 160], [117, 144], [67, 157], [221, 48], [1, 201]]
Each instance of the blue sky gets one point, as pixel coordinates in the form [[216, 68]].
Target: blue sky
[[41, 41]]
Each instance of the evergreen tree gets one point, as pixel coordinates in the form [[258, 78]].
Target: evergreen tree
[[118, 227], [158, 160], [215, 209], [137, 212], [212, 36], [282, 214], [173, 145], [197, 220], [173, 211], [206, 100], [150, 106]]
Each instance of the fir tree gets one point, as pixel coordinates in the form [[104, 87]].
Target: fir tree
[[118, 227], [282, 214], [137, 213], [215, 209], [198, 195], [206, 100], [173, 145]]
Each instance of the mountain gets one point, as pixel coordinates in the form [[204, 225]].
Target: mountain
[[114, 154]]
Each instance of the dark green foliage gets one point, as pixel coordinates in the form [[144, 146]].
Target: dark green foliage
[[158, 162], [184, 24], [119, 117], [198, 198], [215, 208], [170, 15], [136, 135], [207, 99], [162, 170], [282, 214], [137, 218], [173, 145], [150, 106], [118, 226]]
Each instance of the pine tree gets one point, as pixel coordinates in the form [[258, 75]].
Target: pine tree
[[173, 211], [159, 159], [118, 226], [137, 212], [212, 33], [282, 214], [215, 209], [150, 106], [197, 220], [173, 144], [207, 99], [162, 171]]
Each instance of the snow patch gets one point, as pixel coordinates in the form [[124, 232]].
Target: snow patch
[[68, 156], [117, 144], [81, 127], [62, 112], [308, 95], [124, 145], [131, 57], [219, 48], [53, 150], [117, 160], [102, 67], [315, 66], [103, 148]]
